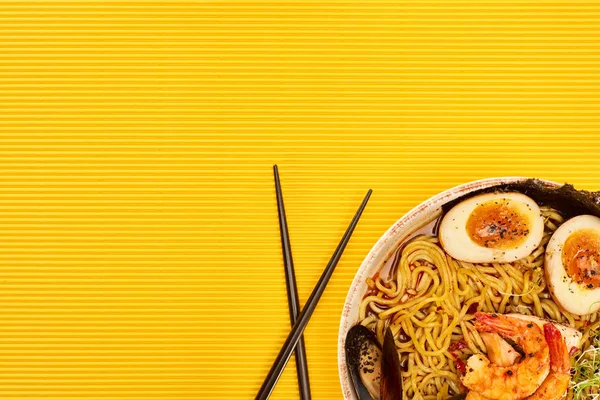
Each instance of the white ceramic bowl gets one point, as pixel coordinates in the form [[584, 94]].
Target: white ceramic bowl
[[405, 226]]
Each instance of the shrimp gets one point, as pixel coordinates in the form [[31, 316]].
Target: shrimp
[[557, 382], [515, 382], [499, 352], [475, 396]]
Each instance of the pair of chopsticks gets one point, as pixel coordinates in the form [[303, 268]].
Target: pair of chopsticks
[[300, 320]]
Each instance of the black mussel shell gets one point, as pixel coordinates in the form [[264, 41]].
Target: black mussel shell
[[363, 358], [391, 378], [566, 199]]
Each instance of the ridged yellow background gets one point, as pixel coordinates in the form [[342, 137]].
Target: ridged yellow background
[[139, 245]]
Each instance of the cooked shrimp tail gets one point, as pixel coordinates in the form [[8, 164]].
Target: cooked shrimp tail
[[559, 355], [505, 326]]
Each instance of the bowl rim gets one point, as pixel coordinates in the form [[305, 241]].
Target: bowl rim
[[427, 206]]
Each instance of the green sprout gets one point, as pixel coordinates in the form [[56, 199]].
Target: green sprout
[[587, 372]]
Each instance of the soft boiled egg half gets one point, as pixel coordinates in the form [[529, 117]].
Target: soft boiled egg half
[[573, 265], [492, 227]]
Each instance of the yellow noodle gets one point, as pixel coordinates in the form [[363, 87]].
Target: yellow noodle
[[441, 311]]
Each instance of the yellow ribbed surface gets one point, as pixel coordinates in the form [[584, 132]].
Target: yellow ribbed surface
[[139, 246]]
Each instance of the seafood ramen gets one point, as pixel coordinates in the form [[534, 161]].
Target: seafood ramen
[[497, 300]]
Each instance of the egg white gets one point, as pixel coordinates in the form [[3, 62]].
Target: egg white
[[456, 241], [574, 297]]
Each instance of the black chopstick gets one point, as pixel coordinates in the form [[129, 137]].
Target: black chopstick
[[298, 328], [292, 290]]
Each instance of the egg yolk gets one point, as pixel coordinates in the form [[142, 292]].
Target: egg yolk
[[498, 224], [581, 257]]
